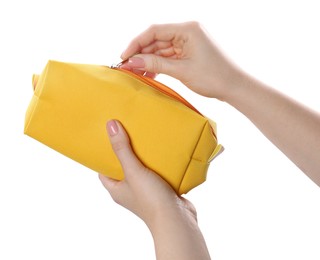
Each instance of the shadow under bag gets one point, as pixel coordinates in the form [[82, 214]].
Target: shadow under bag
[[72, 103]]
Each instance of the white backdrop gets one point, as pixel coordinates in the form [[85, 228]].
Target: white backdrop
[[255, 204]]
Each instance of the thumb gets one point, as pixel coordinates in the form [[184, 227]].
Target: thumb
[[121, 146], [153, 63]]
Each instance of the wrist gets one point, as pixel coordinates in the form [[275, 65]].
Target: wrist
[[176, 235], [235, 88], [168, 216]]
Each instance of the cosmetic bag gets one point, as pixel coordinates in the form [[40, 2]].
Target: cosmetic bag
[[72, 103]]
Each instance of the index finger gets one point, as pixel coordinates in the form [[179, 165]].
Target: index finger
[[157, 32]]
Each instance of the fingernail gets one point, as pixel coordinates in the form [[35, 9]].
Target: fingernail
[[136, 62], [112, 128]]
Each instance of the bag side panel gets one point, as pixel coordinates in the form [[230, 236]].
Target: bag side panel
[[196, 172]]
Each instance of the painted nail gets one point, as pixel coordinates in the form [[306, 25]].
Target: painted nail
[[112, 128], [136, 62], [35, 79]]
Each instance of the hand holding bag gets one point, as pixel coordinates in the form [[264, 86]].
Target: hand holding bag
[[72, 103]]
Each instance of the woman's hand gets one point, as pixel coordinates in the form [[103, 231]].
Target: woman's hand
[[185, 52], [170, 218], [142, 191]]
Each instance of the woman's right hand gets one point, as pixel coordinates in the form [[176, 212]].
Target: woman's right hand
[[185, 52]]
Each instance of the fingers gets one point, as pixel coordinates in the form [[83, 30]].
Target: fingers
[[153, 64], [121, 146], [162, 33], [164, 48], [130, 164], [137, 66], [157, 47]]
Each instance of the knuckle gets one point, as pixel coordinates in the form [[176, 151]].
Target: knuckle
[[156, 65], [153, 27], [193, 24], [119, 145]]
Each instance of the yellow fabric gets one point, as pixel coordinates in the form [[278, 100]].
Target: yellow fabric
[[72, 103]]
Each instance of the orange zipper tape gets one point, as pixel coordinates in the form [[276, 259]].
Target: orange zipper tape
[[161, 87]]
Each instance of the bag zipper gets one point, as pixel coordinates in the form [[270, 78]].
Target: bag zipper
[[161, 87]]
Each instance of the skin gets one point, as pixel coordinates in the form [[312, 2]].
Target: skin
[[171, 219], [186, 51]]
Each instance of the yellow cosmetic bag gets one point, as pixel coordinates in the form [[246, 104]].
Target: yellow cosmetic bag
[[72, 103]]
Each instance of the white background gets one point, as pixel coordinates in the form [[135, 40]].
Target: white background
[[255, 204]]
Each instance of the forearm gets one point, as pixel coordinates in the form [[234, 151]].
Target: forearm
[[177, 236], [293, 128]]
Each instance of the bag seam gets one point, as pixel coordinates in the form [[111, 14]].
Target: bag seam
[[191, 158], [38, 98]]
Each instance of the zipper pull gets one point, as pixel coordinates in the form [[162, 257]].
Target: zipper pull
[[116, 66]]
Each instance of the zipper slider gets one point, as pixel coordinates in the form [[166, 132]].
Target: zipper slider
[[116, 66]]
